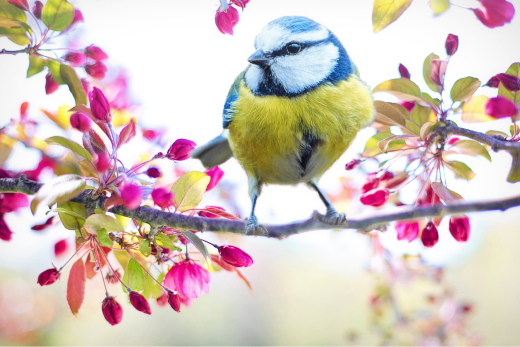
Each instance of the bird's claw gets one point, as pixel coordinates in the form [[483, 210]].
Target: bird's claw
[[332, 217], [254, 228]]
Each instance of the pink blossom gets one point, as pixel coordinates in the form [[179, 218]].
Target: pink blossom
[[75, 58], [215, 175], [50, 84], [188, 279], [10, 202], [500, 107], [78, 17], [452, 44], [86, 85], [112, 310], [5, 232], [131, 195], [226, 18], [235, 256], [80, 122], [407, 230], [429, 235], [162, 198], [154, 172], [60, 247], [460, 228], [375, 197], [95, 53], [494, 13], [96, 70], [180, 150], [44, 163], [453, 140]]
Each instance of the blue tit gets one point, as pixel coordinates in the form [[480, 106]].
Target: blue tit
[[293, 111]]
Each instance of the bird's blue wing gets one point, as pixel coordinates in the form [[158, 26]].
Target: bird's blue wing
[[232, 96]]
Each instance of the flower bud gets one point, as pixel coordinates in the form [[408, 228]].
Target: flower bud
[[80, 122], [403, 71], [215, 175], [453, 140], [140, 303], [5, 232], [102, 162], [78, 17], [494, 13], [86, 85], [75, 58], [429, 235], [96, 70], [154, 172], [131, 195], [162, 198], [50, 84], [407, 230], [95, 53], [510, 82], [226, 18], [352, 164], [99, 105], [493, 82], [460, 228], [208, 214], [174, 301], [112, 311], [180, 149], [452, 44], [500, 107], [48, 277], [60, 247], [375, 197], [37, 9], [371, 182], [235, 256]]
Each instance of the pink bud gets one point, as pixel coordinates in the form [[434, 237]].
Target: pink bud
[[371, 182], [60, 247], [429, 235], [452, 44], [510, 82], [99, 105], [162, 198], [102, 162], [403, 71], [154, 172], [352, 165], [95, 53], [150, 135], [409, 105], [37, 9], [112, 311], [235, 256], [215, 175], [131, 195], [180, 150], [174, 301], [208, 214], [50, 84], [500, 107], [240, 3], [407, 230], [494, 13], [460, 228], [75, 58], [162, 300], [5, 232], [453, 140], [48, 277], [96, 70], [78, 17], [226, 19], [86, 85], [140, 303], [493, 82], [80, 122], [375, 197]]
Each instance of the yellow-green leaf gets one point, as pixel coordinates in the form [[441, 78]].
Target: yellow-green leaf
[[197, 242], [460, 169], [36, 65], [422, 114], [474, 110], [57, 15], [104, 239], [58, 190], [189, 190], [473, 148], [444, 193], [386, 12], [389, 113], [96, 222], [54, 67], [464, 88], [371, 147], [144, 248], [148, 286], [17, 35], [76, 88], [73, 146], [514, 70], [427, 71], [11, 13], [135, 276], [72, 215], [384, 145], [164, 241], [439, 6], [157, 289], [514, 173], [402, 88]]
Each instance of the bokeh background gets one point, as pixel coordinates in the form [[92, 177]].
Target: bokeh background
[[309, 289]]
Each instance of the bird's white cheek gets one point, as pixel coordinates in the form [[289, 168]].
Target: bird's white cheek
[[254, 76]]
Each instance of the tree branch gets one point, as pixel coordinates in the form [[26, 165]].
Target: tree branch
[[495, 143], [178, 221], [25, 50]]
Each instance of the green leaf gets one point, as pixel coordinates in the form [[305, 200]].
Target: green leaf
[[514, 173], [11, 14], [414, 128], [36, 65], [96, 222], [399, 140], [104, 239], [514, 70], [189, 190], [426, 130], [123, 258], [87, 169], [474, 110], [421, 114], [444, 193], [402, 88], [76, 88], [473, 148], [73, 146], [512, 130], [72, 214], [76, 286], [427, 71], [464, 88], [371, 147], [58, 190], [157, 289], [144, 248], [460, 169], [16, 35], [439, 6], [135, 276], [57, 15], [389, 113], [54, 67], [164, 241], [197, 242], [386, 12], [148, 286]]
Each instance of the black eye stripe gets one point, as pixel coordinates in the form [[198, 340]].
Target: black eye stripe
[[283, 51]]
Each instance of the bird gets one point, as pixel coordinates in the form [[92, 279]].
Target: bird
[[292, 112]]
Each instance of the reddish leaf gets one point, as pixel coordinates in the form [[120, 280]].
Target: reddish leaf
[[225, 266], [76, 286], [218, 212], [20, 3], [127, 133]]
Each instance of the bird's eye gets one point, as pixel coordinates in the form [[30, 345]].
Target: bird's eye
[[293, 48]]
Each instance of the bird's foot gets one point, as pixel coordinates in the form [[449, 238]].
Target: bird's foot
[[332, 217], [255, 228]]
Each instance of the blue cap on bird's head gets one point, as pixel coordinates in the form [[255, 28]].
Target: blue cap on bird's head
[[295, 55]]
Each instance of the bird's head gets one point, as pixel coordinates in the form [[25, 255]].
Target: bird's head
[[294, 55]]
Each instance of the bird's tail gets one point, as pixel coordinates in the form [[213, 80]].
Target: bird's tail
[[215, 152]]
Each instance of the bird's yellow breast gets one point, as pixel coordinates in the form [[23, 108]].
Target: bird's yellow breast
[[267, 131]]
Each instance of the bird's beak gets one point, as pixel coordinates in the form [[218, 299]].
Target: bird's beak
[[259, 58]]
